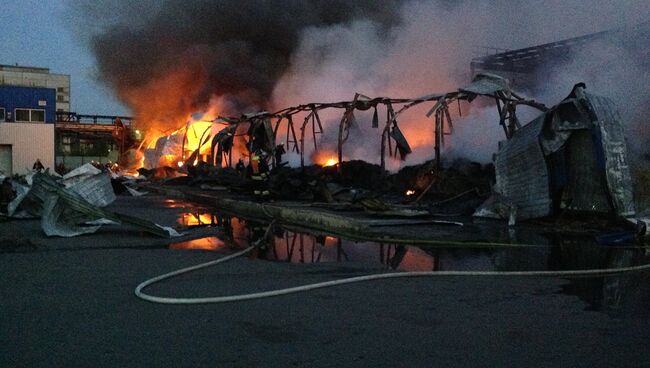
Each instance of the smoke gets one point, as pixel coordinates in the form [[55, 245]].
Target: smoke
[[166, 59], [430, 51]]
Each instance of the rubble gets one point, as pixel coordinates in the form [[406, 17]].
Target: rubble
[[72, 205]]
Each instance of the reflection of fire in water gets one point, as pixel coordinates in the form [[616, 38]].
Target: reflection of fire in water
[[197, 219], [305, 248], [294, 247]]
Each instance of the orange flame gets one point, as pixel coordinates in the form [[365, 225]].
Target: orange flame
[[324, 158], [331, 162]]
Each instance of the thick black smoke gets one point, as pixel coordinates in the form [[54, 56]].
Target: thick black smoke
[[238, 48]]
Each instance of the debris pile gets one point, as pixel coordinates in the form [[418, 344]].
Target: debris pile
[[71, 205]]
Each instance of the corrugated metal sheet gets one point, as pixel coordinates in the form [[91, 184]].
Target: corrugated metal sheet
[[596, 159], [522, 174], [587, 189], [486, 84], [28, 143], [617, 170]]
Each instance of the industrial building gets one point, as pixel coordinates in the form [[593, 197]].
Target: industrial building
[[27, 117], [36, 123], [27, 76]]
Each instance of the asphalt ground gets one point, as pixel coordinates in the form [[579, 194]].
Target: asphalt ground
[[70, 303]]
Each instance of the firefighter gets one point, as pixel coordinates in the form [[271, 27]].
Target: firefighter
[[38, 166], [259, 172], [241, 168], [279, 151]]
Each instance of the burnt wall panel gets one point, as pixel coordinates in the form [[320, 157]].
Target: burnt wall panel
[[617, 169], [522, 174]]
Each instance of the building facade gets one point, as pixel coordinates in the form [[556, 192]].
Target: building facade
[[27, 117], [14, 75]]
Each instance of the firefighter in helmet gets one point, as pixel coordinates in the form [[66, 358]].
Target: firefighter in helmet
[[259, 173]]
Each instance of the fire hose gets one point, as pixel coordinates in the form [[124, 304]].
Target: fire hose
[[272, 293]]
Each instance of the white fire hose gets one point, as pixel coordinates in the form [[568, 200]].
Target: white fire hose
[[267, 294]]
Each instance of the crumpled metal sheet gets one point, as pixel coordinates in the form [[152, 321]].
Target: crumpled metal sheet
[[95, 189], [617, 169], [58, 221], [521, 172], [486, 84], [402, 144], [12, 207], [80, 173], [66, 213], [498, 207]]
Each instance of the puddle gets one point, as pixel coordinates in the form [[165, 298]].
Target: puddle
[[198, 218], [616, 295], [295, 247], [210, 243]]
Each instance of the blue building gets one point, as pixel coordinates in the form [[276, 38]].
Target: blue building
[[27, 121], [27, 104]]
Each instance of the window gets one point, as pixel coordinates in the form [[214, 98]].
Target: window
[[38, 115], [30, 115], [2, 114], [22, 115]]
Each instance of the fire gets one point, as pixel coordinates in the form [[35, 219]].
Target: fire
[[324, 158], [172, 149], [410, 192], [330, 162]]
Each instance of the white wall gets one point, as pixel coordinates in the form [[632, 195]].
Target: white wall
[[29, 142]]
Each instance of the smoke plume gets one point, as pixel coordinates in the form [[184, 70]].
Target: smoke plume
[[166, 59]]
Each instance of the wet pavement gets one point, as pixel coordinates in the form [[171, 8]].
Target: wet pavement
[[70, 302], [610, 294]]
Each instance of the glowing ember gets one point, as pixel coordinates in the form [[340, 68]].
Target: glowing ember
[[410, 192], [330, 162]]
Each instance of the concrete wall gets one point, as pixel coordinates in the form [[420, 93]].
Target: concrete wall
[[28, 143]]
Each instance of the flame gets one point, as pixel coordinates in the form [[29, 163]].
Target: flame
[[324, 158], [180, 163], [331, 162], [410, 192]]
